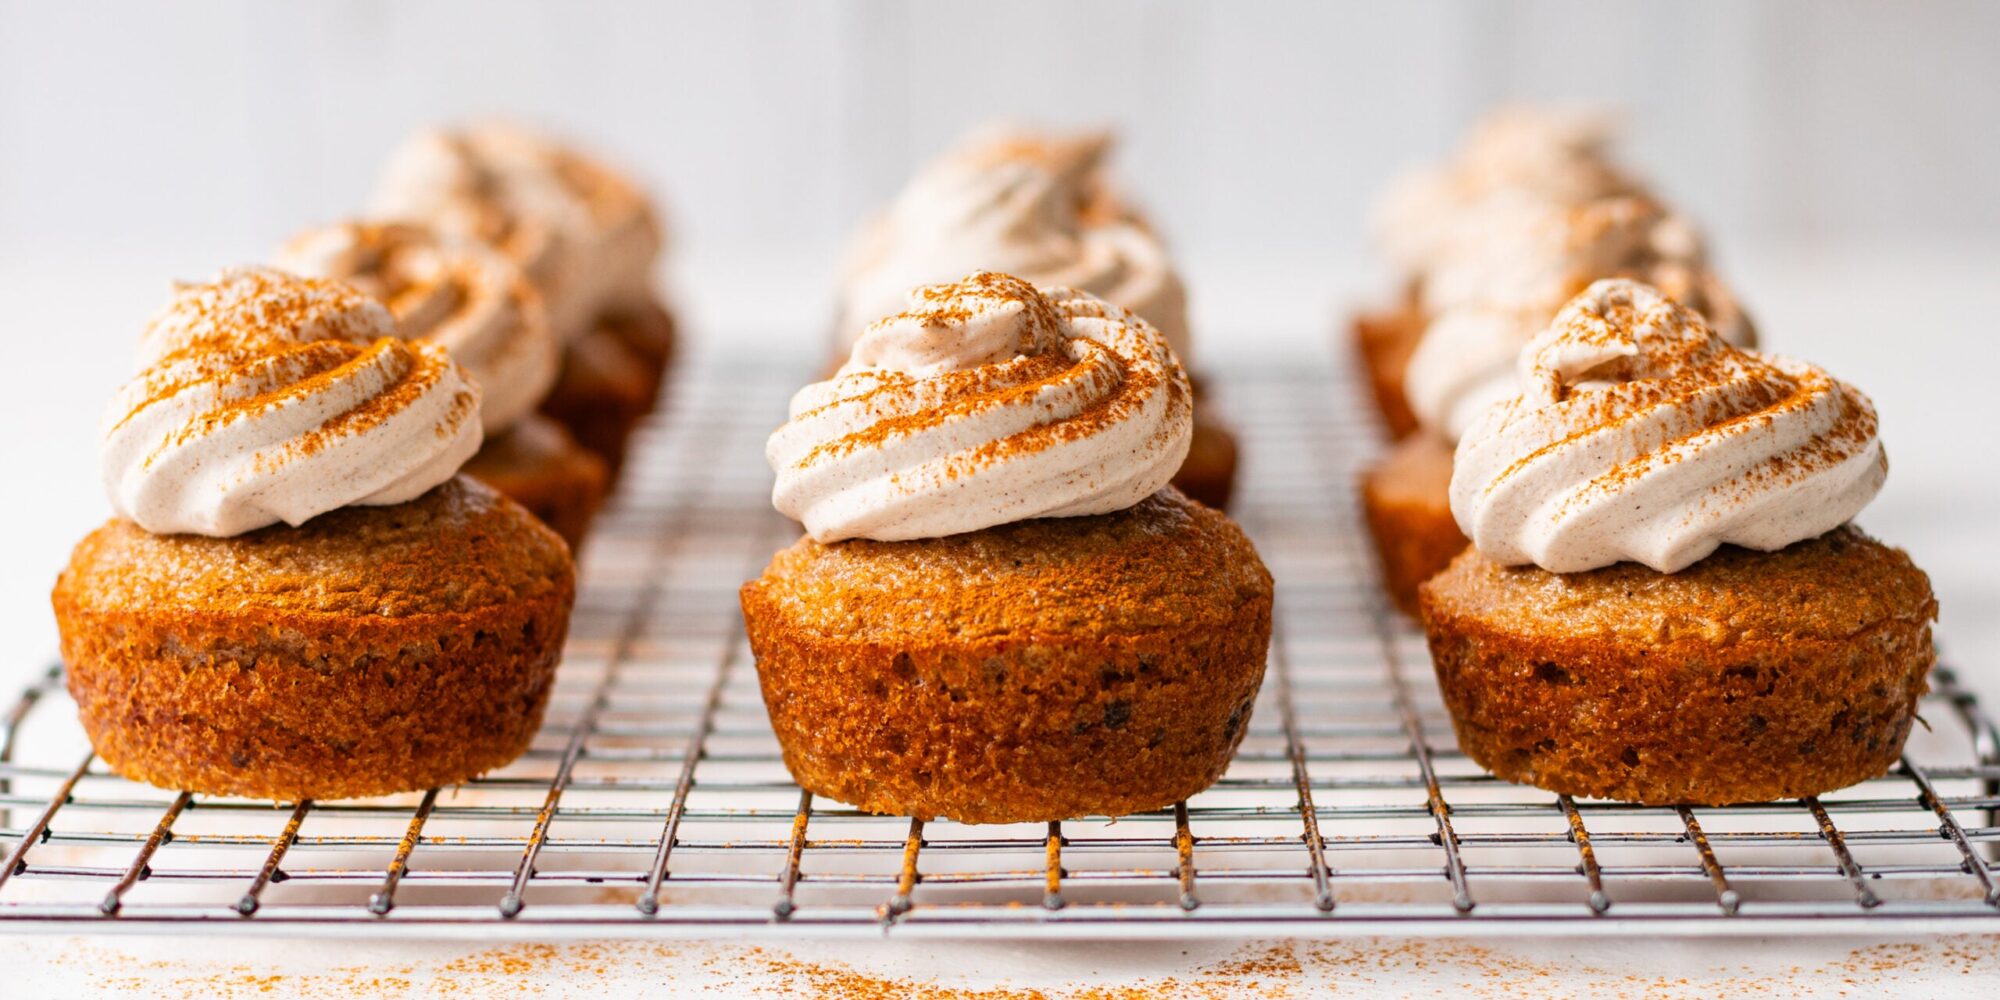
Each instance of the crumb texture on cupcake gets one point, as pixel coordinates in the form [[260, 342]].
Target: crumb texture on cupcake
[[371, 650], [1746, 677], [1033, 671], [1001, 612]]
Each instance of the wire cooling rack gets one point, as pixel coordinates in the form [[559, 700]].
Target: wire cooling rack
[[654, 800]]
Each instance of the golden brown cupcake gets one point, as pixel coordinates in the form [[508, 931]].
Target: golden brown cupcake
[[477, 304], [1529, 215], [1037, 205], [299, 598], [369, 650], [536, 464], [1208, 474], [601, 394], [1664, 602], [1062, 666], [1405, 499], [1383, 343], [588, 239], [998, 614]]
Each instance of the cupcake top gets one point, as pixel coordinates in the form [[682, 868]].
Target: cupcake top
[[1500, 279], [1640, 434], [986, 401], [462, 295], [1024, 204], [585, 235], [266, 397], [1514, 154]]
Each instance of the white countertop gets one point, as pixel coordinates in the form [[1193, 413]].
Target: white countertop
[[1912, 326]]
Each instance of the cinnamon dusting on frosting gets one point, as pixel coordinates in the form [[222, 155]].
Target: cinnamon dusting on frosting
[[1640, 434], [270, 397], [987, 401], [462, 295]]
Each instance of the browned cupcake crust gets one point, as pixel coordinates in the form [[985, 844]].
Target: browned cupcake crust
[[1023, 673], [1747, 677], [1384, 341], [370, 650], [1406, 499], [1208, 474], [602, 392], [536, 464]]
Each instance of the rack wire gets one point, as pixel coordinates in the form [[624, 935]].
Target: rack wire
[[654, 800]]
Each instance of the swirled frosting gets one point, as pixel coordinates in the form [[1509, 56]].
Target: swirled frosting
[[265, 397], [1502, 278], [1640, 434], [586, 236], [987, 401], [464, 296], [1515, 154], [1021, 204]]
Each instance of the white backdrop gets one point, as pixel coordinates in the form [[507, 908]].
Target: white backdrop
[[1843, 154]]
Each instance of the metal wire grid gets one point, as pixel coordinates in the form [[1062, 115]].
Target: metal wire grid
[[654, 800]]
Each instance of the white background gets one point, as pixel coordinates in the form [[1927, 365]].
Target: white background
[[1843, 155]]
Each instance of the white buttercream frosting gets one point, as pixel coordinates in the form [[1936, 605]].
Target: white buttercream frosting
[[1640, 434], [1022, 204], [266, 397], [986, 401], [462, 295]]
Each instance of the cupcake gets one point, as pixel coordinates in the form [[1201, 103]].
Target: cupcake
[[299, 597], [1499, 285], [1536, 156], [1001, 611], [1664, 601], [1037, 206], [475, 303], [588, 240]]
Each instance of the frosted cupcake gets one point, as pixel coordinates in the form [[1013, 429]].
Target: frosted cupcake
[[298, 597], [1665, 601], [1001, 612], [1499, 283]]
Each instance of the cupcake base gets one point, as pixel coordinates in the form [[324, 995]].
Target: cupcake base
[[1746, 677], [1406, 498], [536, 464], [603, 391], [371, 650], [1384, 342], [1208, 474], [1024, 673]]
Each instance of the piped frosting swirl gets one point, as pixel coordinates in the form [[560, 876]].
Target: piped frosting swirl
[[1020, 203], [463, 296], [987, 401], [587, 237], [1640, 434], [265, 397]]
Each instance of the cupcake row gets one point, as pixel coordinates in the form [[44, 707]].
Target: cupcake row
[[347, 484], [1017, 598], [1626, 533]]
